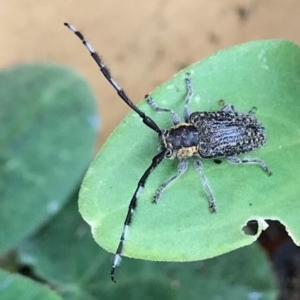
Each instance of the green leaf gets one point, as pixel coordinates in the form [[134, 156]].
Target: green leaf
[[265, 74], [64, 254], [14, 286], [48, 124]]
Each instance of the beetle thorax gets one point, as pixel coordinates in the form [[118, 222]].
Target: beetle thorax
[[180, 141]]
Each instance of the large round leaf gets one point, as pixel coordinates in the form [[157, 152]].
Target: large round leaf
[[64, 254], [265, 74], [48, 124]]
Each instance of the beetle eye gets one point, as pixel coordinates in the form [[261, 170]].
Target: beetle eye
[[168, 153]]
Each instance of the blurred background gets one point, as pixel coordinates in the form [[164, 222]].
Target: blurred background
[[143, 42]]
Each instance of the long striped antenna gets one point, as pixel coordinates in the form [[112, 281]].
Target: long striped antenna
[[105, 71]]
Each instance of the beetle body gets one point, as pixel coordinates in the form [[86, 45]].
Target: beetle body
[[214, 134]]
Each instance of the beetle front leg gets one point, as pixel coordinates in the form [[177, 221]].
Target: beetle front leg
[[174, 116]]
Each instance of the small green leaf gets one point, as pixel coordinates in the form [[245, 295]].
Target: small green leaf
[[64, 254], [48, 124], [14, 286], [265, 74]]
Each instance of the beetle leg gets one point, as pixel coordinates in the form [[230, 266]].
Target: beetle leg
[[211, 198], [174, 116], [254, 161], [182, 167], [188, 98]]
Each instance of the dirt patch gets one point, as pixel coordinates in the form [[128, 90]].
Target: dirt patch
[[144, 43]]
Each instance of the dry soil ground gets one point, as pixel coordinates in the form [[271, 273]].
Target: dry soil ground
[[143, 42]]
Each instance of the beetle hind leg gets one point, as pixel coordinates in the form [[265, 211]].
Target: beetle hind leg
[[253, 161]]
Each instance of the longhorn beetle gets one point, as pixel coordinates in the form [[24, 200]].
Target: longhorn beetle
[[211, 135]]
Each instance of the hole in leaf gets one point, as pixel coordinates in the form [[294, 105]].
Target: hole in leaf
[[251, 227], [284, 255], [273, 237], [217, 161]]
